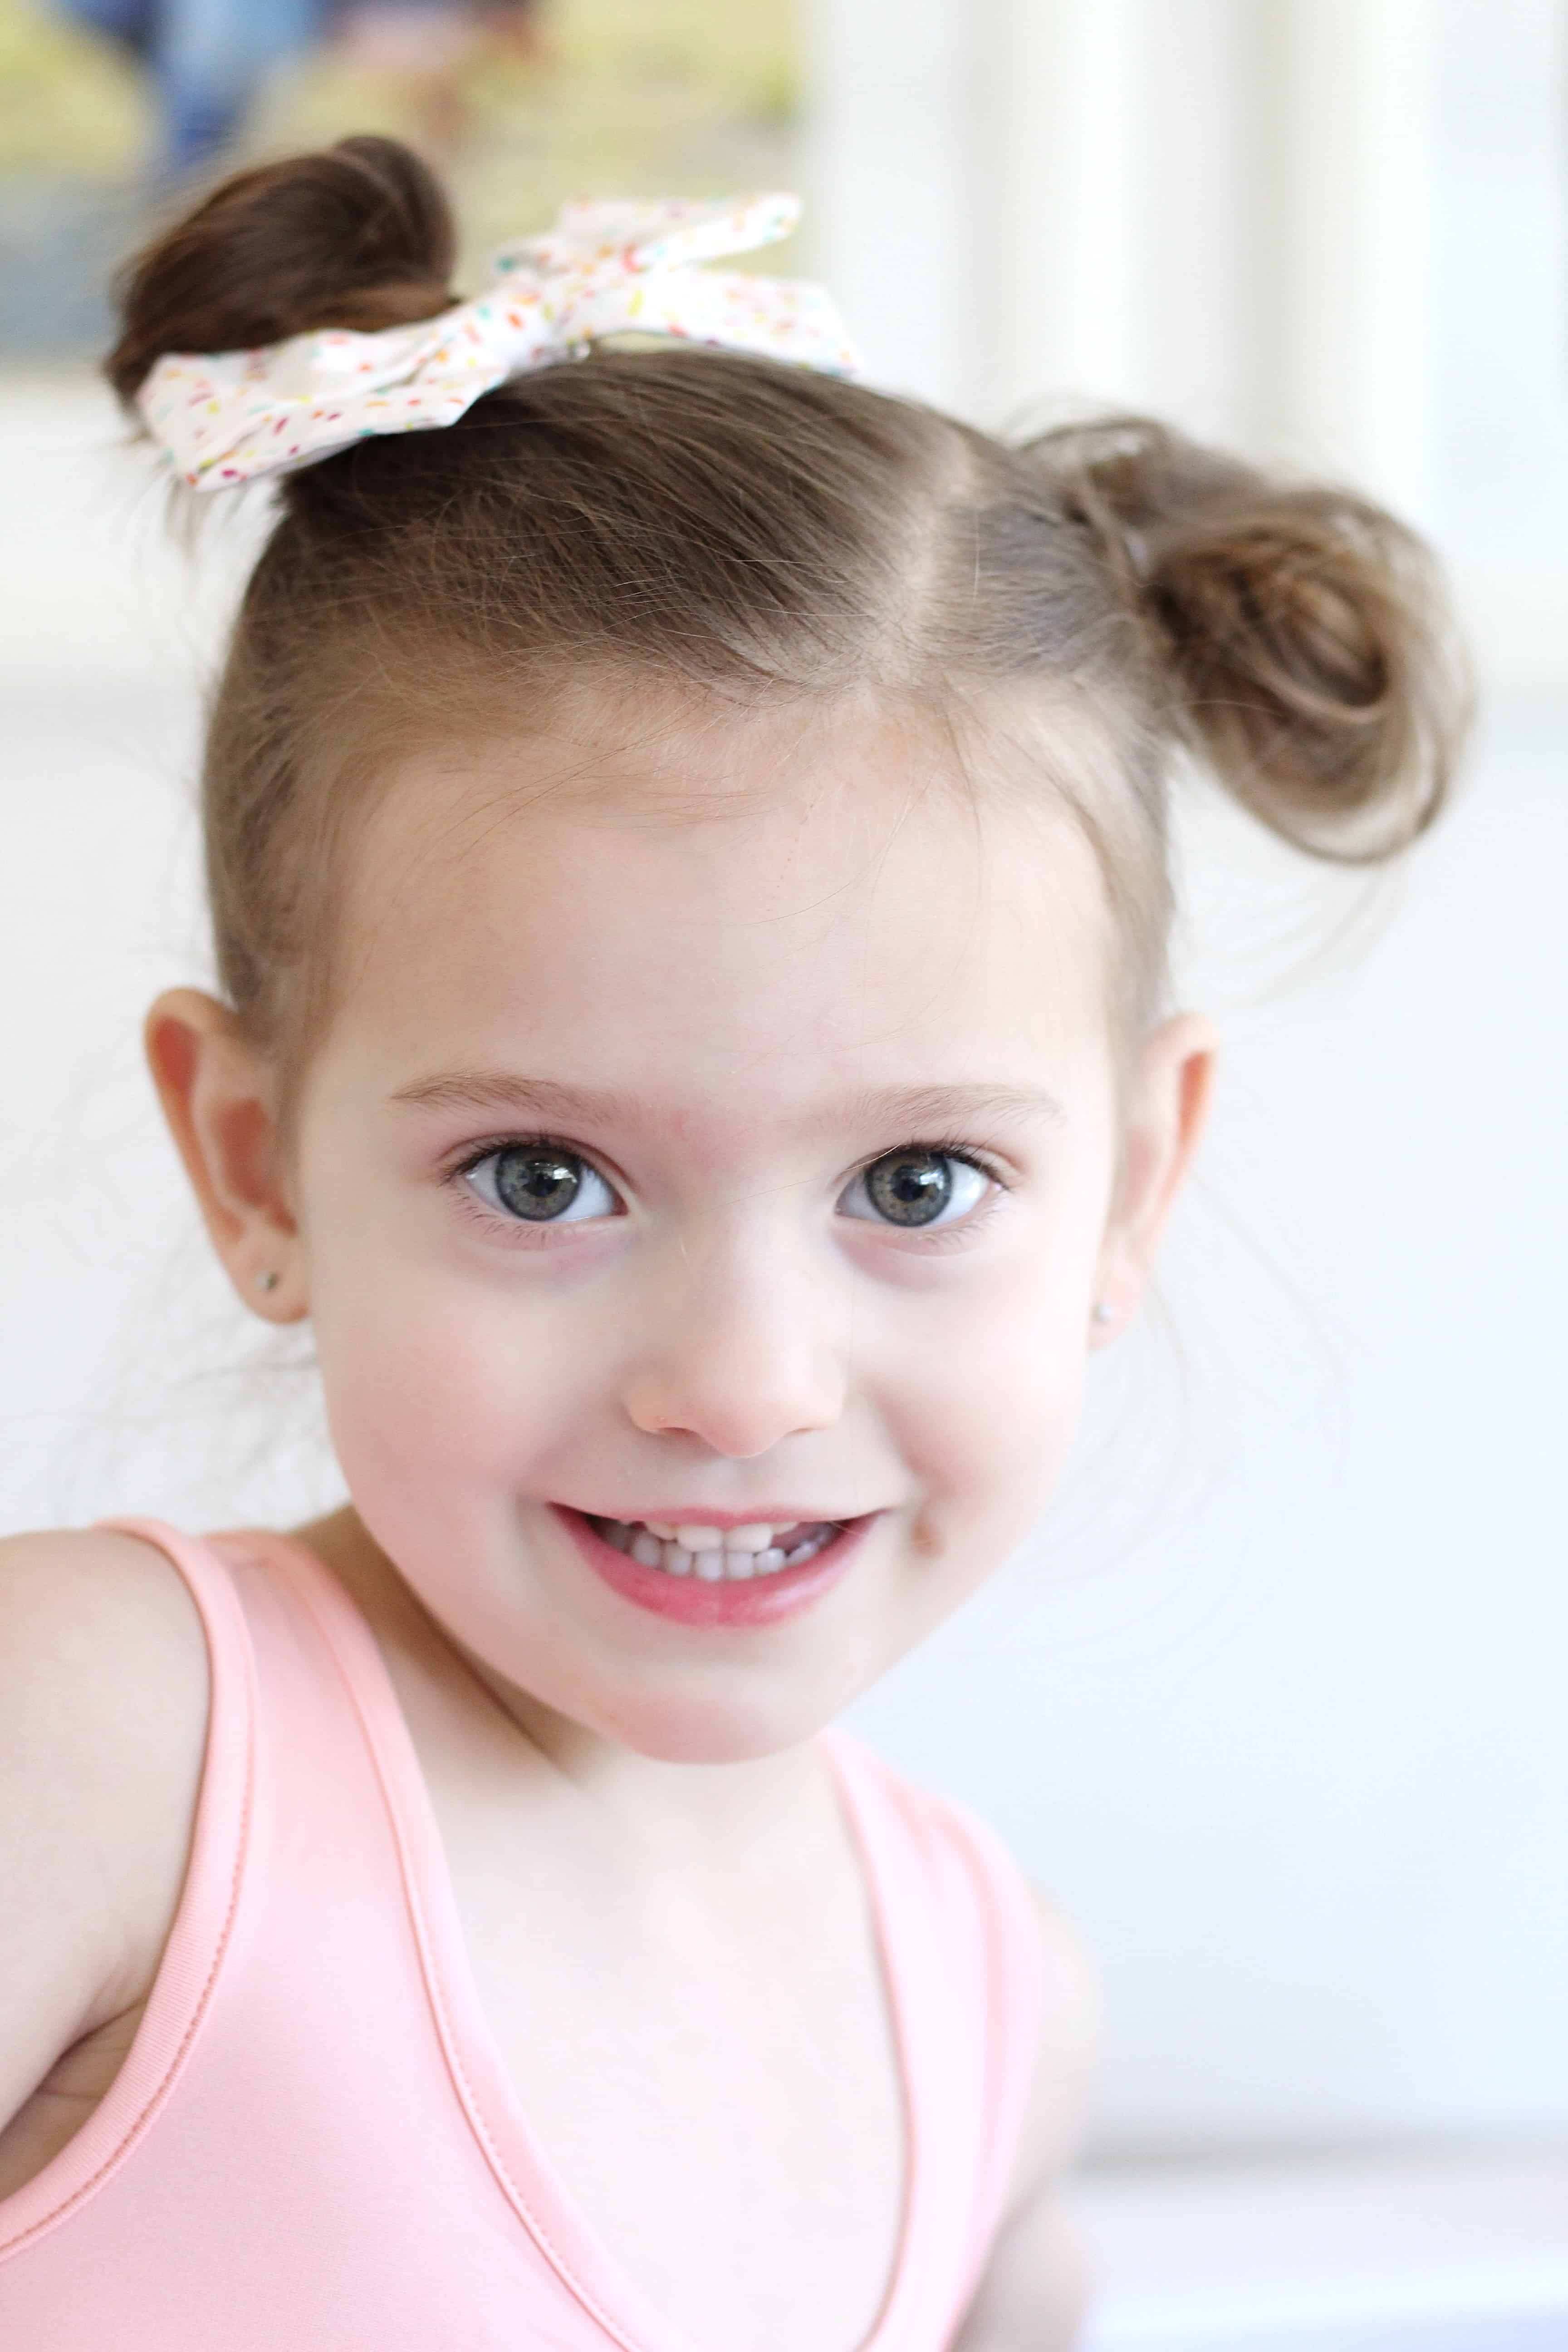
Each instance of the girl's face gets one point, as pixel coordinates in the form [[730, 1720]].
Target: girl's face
[[719, 1130]]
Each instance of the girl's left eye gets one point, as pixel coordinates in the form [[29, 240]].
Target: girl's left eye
[[912, 1187], [540, 1184]]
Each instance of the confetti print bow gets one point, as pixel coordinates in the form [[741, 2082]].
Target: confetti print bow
[[229, 418]]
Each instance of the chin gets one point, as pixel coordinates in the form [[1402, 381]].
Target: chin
[[708, 1730]]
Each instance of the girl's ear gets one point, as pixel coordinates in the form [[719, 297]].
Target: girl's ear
[[1168, 1107], [217, 1098]]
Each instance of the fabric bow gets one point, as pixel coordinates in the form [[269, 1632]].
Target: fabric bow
[[229, 418]]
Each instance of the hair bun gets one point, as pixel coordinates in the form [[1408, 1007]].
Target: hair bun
[[1301, 631], [359, 235]]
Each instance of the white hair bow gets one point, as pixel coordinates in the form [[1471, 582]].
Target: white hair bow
[[227, 417]]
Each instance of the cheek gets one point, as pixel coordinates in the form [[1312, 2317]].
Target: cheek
[[425, 1374], [991, 1401], [988, 1442]]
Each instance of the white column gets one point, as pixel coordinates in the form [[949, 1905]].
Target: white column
[[1218, 210], [974, 167], [1023, 203], [889, 122], [1200, 146], [1058, 182], [1346, 308]]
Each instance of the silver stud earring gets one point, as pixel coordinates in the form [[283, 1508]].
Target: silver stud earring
[[268, 1280], [1102, 1313]]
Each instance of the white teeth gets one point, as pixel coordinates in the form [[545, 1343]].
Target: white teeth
[[728, 1555]]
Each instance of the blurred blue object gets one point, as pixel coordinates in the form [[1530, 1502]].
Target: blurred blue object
[[125, 20], [207, 59]]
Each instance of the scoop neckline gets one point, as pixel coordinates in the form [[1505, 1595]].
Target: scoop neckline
[[521, 2166]]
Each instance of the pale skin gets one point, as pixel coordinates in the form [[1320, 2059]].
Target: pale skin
[[728, 962]]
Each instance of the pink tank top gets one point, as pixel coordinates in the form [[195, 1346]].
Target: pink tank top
[[312, 2145]]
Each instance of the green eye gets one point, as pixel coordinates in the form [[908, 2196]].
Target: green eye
[[915, 1188], [540, 1184]]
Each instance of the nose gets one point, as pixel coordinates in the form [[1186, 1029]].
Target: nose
[[737, 1355]]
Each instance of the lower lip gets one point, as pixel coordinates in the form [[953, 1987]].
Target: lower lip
[[691, 1601]]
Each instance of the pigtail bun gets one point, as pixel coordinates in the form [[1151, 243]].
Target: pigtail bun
[[359, 236], [1300, 633]]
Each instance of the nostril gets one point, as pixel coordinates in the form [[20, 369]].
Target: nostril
[[733, 1392]]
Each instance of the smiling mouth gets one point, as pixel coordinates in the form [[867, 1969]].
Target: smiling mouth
[[719, 1555]]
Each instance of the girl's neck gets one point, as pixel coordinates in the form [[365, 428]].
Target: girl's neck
[[690, 1812]]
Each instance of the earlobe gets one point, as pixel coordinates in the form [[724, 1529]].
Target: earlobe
[[218, 1099]]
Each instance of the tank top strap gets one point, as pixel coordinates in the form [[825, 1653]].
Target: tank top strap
[[961, 1946], [288, 2066], [203, 1930]]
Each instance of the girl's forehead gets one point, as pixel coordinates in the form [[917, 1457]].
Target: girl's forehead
[[745, 888]]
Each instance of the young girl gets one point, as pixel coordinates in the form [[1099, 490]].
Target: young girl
[[686, 841]]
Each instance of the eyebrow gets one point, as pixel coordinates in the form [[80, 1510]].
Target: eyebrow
[[917, 1110]]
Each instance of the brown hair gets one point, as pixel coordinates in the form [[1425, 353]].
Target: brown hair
[[749, 529]]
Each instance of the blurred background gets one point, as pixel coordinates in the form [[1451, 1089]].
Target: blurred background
[[1276, 1699]]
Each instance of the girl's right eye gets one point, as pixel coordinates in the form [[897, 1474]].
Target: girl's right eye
[[540, 1184]]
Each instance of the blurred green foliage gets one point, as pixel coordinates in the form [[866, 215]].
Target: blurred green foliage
[[620, 94], [70, 103], [620, 97]]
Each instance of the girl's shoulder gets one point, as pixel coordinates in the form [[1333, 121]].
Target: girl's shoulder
[[99, 1639], [103, 1706]]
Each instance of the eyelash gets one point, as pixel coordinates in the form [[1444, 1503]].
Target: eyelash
[[537, 1236], [517, 1231], [947, 1237]]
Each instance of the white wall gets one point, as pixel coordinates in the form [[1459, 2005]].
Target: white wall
[[1298, 1758], [1275, 1703]]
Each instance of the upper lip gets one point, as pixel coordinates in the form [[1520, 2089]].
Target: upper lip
[[701, 1515]]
